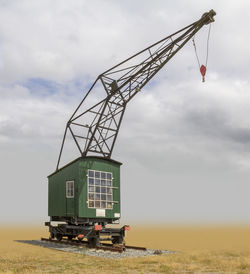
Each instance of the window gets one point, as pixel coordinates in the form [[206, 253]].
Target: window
[[70, 189], [100, 190]]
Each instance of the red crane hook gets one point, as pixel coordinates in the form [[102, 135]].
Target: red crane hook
[[203, 72]]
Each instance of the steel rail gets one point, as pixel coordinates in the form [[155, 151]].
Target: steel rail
[[104, 246]]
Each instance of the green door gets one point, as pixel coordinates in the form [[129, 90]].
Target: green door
[[70, 198]]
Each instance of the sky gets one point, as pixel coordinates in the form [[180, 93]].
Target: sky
[[184, 144]]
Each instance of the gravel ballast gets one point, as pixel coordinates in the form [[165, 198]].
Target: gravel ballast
[[128, 253]]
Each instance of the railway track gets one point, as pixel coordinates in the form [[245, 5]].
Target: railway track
[[105, 246]]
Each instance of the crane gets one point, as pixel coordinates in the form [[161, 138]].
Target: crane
[[84, 195], [94, 126]]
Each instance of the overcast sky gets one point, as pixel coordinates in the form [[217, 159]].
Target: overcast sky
[[184, 144]]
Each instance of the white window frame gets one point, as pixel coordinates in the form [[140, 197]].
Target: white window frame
[[111, 187], [70, 189]]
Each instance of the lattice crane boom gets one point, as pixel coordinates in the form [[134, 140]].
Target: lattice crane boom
[[94, 126]]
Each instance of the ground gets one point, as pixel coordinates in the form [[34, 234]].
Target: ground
[[199, 249]]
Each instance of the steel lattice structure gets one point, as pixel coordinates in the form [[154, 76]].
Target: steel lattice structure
[[95, 128]]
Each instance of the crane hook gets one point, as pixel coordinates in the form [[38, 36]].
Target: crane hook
[[203, 72]]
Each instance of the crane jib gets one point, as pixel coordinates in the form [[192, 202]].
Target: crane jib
[[94, 128]]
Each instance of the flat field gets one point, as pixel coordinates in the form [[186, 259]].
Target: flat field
[[200, 250]]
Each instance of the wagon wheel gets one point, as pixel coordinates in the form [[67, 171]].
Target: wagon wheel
[[117, 240], [94, 241], [52, 236], [59, 237]]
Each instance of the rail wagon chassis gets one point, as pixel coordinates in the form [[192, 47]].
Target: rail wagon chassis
[[94, 234]]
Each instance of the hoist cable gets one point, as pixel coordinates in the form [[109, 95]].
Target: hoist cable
[[208, 36], [202, 68], [195, 50]]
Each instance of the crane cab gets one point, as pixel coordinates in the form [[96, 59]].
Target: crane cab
[[85, 191]]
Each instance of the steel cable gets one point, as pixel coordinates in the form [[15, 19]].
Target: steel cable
[[195, 49]]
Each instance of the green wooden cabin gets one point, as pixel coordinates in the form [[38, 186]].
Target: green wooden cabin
[[85, 190]]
